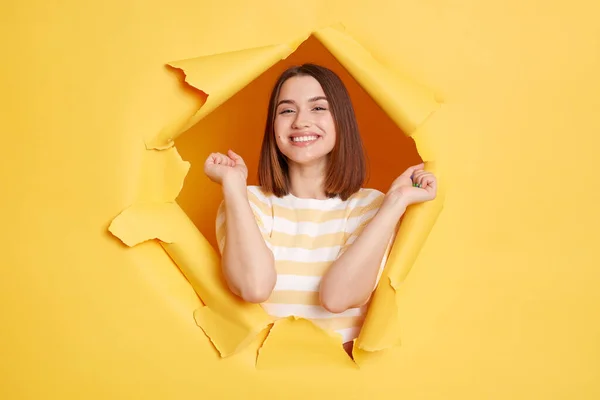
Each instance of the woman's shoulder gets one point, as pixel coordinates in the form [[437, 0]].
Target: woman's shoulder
[[364, 203], [371, 191], [257, 194], [366, 196], [258, 191]]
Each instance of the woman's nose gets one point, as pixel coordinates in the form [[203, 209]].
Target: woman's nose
[[301, 121]]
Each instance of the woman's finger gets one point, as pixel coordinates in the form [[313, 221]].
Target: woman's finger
[[224, 160], [428, 180], [431, 186], [237, 159], [418, 174], [410, 171], [213, 159], [418, 179]]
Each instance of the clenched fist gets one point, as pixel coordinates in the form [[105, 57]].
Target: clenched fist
[[221, 168], [415, 185]]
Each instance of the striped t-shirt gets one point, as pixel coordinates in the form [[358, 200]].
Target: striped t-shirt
[[306, 236]]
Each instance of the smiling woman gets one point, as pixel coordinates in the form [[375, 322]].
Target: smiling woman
[[309, 241], [302, 106]]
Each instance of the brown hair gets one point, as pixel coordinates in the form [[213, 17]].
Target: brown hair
[[346, 170]]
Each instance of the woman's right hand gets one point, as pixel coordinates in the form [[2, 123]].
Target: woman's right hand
[[221, 168]]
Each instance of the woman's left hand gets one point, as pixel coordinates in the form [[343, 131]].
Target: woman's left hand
[[415, 185]]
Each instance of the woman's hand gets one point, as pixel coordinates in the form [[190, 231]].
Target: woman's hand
[[415, 185], [221, 168]]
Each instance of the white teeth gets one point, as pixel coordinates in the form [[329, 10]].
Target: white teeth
[[304, 138]]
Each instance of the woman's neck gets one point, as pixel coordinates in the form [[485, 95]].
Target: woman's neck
[[307, 181]]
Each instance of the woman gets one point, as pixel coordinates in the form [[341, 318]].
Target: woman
[[309, 241]]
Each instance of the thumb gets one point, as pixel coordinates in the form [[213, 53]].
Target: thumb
[[235, 157]]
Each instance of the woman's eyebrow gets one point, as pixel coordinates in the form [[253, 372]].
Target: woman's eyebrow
[[312, 99], [286, 102]]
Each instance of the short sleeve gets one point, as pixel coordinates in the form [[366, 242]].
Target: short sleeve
[[262, 215], [364, 213]]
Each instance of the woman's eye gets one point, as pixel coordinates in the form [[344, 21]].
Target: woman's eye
[[319, 108], [284, 111]]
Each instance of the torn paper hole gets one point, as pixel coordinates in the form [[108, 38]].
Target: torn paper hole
[[230, 323], [296, 343]]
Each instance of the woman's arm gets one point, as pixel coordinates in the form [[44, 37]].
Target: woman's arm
[[248, 264], [350, 280]]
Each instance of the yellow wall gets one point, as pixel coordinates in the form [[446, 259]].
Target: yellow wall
[[502, 302]]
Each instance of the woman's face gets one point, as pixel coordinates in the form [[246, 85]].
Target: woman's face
[[304, 126]]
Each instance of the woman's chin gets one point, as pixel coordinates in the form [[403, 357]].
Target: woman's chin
[[308, 161], [307, 156]]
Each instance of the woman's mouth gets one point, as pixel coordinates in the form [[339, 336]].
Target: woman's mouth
[[304, 140]]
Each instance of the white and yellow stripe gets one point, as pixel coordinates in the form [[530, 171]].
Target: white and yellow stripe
[[306, 236]]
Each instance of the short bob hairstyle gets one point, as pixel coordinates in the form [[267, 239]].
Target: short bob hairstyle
[[346, 170]]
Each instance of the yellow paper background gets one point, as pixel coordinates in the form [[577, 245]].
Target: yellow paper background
[[220, 80], [502, 301]]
